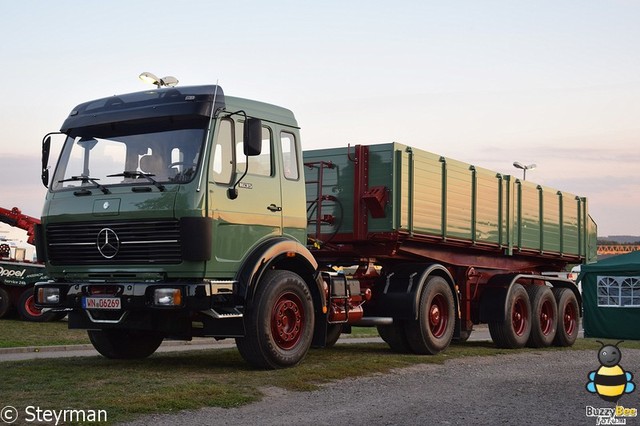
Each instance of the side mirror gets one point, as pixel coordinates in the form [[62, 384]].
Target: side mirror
[[252, 137], [46, 147]]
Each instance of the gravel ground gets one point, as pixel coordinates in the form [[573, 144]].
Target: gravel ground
[[534, 388]]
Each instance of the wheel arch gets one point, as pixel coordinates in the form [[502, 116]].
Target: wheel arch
[[493, 302], [401, 291], [285, 254], [438, 271], [565, 283]]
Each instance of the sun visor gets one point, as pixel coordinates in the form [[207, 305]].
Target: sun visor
[[182, 104]]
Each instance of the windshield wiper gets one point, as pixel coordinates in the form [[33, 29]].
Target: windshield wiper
[[86, 179], [135, 174]]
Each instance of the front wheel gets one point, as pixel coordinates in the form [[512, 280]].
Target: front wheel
[[432, 332], [125, 344], [513, 332], [278, 323]]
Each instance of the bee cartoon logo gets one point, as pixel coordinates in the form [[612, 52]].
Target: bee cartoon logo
[[610, 381]]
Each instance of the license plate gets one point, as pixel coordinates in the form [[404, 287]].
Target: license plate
[[101, 303]]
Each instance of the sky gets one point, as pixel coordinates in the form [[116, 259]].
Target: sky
[[553, 83]]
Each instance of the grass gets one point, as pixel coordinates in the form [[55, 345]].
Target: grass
[[169, 382], [16, 333]]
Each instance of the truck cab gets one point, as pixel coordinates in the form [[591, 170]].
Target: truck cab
[[164, 210]]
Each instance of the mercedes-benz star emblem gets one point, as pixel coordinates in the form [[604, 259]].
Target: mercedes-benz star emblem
[[108, 243]]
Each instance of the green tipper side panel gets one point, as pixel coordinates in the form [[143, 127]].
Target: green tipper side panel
[[453, 199], [434, 196], [421, 206]]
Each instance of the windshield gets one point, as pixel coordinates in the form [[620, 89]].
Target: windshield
[[169, 156]]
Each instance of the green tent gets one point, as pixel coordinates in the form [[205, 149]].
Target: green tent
[[611, 297]]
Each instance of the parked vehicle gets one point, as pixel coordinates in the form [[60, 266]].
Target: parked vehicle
[[183, 212], [573, 276], [18, 273]]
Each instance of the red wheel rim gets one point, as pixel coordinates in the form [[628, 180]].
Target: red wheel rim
[[30, 307], [438, 315], [546, 317], [287, 320], [519, 316], [569, 319]]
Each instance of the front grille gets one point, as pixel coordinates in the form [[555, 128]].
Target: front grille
[[130, 242]]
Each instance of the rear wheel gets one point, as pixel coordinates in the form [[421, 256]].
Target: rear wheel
[[279, 323], [513, 332], [29, 312], [568, 317], [544, 316], [125, 344], [333, 334], [394, 336], [462, 335], [432, 332], [5, 303]]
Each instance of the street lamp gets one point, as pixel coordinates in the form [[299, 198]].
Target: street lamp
[[524, 168]]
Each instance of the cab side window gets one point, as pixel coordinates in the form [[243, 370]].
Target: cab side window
[[222, 164], [261, 165], [289, 155]]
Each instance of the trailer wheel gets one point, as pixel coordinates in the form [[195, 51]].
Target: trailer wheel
[[125, 344], [463, 335], [27, 308], [5, 303], [394, 335], [513, 332], [544, 316], [568, 317], [279, 323], [333, 334], [432, 332]]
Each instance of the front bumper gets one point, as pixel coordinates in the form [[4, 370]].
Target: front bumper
[[195, 297], [137, 305]]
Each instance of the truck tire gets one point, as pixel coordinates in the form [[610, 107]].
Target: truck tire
[[513, 332], [568, 317], [124, 344], [333, 334], [432, 332], [544, 316], [27, 308], [395, 336], [5, 303], [463, 335], [278, 323]]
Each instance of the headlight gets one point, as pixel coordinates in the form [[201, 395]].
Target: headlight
[[48, 296], [167, 297]]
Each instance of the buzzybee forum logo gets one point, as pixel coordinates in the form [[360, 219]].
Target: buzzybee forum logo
[[610, 382]]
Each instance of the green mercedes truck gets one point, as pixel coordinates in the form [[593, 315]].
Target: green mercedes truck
[[183, 212]]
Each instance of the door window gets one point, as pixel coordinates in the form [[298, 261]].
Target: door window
[[289, 157]]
